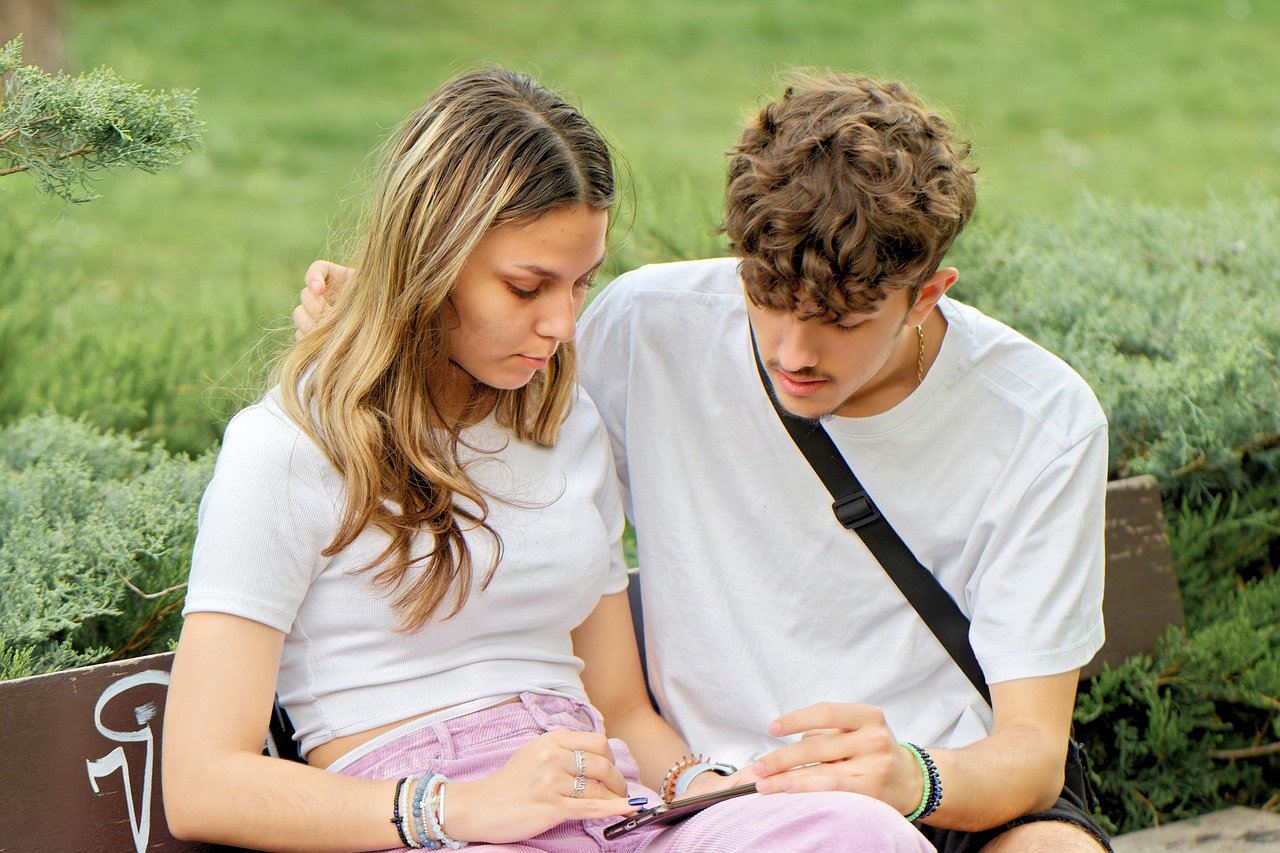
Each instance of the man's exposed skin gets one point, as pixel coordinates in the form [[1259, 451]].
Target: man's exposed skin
[[868, 364], [843, 197]]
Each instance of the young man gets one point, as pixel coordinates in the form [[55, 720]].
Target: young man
[[776, 642]]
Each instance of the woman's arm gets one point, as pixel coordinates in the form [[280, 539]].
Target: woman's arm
[[615, 684], [218, 786]]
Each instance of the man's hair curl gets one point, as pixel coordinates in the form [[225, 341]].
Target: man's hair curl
[[842, 191]]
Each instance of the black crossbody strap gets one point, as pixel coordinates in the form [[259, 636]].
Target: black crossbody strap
[[855, 510]]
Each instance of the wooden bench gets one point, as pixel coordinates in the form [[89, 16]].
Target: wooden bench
[[82, 747]]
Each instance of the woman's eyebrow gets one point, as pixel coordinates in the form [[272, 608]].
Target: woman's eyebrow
[[538, 269]]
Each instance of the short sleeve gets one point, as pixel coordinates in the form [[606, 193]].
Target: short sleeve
[[1037, 597], [265, 517], [603, 343], [594, 463]]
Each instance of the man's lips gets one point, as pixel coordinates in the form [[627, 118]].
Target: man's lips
[[799, 387]]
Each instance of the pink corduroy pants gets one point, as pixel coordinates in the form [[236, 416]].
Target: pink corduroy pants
[[478, 744]]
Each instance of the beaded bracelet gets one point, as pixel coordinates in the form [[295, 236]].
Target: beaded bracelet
[[437, 818], [419, 821], [670, 782], [398, 816], [931, 796]]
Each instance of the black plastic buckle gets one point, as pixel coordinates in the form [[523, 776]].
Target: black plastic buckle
[[855, 510]]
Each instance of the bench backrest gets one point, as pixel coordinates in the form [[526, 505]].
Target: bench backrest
[[82, 759], [82, 747]]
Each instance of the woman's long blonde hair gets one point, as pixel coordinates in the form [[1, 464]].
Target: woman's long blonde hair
[[488, 149]]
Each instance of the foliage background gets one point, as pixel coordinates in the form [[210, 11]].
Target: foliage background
[[1130, 157]]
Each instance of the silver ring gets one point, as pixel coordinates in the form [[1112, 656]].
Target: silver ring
[[579, 774]]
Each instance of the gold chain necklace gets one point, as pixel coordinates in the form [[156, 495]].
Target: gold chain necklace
[[919, 354]]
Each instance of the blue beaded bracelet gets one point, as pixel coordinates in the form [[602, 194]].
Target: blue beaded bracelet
[[931, 796]]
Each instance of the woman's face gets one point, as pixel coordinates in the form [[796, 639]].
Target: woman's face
[[518, 295]]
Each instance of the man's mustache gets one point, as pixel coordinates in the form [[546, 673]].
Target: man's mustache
[[807, 374]]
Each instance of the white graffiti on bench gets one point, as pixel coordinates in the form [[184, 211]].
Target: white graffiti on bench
[[139, 818]]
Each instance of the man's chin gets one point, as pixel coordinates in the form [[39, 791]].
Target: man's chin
[[806, 408]]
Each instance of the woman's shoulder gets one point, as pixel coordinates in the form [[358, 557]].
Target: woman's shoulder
[[263, 436]]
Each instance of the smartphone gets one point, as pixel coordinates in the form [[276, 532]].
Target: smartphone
[[675, 812]]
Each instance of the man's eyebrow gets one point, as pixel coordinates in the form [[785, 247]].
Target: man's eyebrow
[[538, 269]]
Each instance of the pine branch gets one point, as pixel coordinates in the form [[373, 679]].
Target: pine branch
[[63, 129], [1261, 441], [1247, 752]]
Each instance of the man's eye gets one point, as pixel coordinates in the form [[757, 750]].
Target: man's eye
[[844, 328]]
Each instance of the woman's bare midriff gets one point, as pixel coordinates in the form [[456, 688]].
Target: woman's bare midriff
[[327, 753]]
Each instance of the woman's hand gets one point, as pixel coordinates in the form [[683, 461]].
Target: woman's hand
[[534, 790], [323, 280]]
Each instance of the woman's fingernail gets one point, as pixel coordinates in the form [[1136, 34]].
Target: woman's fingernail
[[637, 801]]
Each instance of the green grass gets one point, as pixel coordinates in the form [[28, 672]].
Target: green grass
[[1167, 103]]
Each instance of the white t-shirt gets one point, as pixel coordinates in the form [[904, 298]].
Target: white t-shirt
[[758, 602], [274, 504]]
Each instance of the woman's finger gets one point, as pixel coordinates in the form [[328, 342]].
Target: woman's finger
[[590, 742], [592, 809]]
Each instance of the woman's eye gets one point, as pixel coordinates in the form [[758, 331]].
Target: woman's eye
[[521, 293], [586, 285]]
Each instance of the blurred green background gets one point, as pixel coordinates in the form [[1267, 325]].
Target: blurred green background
[[1136, 100], [1128, 210]]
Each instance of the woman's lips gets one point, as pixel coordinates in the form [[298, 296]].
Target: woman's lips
[[535, 363], [800, 388]]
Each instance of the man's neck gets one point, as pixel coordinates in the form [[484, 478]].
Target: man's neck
[[901, 374]]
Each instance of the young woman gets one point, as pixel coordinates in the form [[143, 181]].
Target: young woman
[[415, 539]]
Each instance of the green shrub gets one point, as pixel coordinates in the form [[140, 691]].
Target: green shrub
[[1172, 316], [95, 541], [1183, 731], [1174, 319]]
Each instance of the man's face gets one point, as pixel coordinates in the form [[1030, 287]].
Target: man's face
[[819, 367]]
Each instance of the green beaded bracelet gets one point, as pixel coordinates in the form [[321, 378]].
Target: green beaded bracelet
[[931, 797], [924, 772]]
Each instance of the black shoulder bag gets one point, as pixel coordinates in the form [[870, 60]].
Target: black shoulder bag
[[855, 511]]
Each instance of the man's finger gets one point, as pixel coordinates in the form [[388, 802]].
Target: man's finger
[[825, 715], [317, 276], [315, 304], [820, 732], [302, 322], [820, 777], [815, 750]]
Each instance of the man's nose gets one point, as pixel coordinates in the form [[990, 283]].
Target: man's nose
[[797, 349]]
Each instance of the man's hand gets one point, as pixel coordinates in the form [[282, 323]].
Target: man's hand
[[843, 747], [323, 280]]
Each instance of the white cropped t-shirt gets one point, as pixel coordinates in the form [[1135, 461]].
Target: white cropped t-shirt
[[274, 504]]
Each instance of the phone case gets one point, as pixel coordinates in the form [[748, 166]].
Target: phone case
[[669, 813]]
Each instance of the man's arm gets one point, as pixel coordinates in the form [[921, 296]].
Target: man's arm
[[1015, 770]]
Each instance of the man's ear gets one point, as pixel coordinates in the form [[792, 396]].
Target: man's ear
[[937, 285]]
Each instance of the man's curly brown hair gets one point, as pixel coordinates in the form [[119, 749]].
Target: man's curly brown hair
[[843, 191]]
